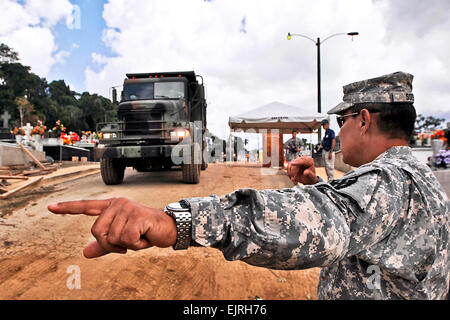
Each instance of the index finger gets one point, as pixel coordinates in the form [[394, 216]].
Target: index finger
[[87, 207]]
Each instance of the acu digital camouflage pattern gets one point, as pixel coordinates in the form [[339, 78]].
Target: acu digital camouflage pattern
[[389, 215], [390, 88], [292, 145]]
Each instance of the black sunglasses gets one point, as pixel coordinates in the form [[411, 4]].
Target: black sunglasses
[[341, 119]]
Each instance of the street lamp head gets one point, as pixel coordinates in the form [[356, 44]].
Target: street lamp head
[[352, 33], [289, 37]]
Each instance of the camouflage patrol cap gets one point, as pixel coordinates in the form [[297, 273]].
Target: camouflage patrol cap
[[390, 88]]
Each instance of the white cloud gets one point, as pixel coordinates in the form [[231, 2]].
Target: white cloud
[[61, 56], [98, 58], [14, 16], [27, 29], [245, 70], [49, 11], [35, 46]]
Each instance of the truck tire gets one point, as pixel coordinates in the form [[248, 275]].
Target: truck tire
[[204, 161], [112, 171], [191, 172]]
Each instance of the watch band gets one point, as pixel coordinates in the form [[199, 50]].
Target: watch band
[[183, 221]]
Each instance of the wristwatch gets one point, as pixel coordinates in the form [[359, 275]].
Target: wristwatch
[[183, 221]]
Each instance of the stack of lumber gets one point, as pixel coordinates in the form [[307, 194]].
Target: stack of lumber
[[7, 193], [23, 172]]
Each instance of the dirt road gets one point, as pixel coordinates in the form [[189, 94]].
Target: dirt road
[[38, 249]]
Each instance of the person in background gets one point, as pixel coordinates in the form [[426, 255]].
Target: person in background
[[328, 144], [293, 147]]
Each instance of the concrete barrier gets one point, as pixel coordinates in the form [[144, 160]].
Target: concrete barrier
[[11, 154], [443, 176]]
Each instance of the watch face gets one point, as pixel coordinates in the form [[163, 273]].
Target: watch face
[[176, 207]]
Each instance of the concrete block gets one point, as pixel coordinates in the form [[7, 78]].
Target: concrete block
[[11, 154], [75, 159], [443, 176]]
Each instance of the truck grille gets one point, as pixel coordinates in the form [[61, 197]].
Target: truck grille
[[143, 124]]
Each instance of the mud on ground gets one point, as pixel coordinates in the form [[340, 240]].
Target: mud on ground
[[37, 248]]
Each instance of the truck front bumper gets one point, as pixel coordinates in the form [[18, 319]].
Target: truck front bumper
[[128, 152]]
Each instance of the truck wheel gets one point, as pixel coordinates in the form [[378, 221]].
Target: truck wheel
[[204, 162], [191, 172], [112, 171]]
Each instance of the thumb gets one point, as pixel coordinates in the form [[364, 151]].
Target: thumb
[[95, 250]]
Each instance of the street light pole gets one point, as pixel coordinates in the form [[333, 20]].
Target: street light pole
[[319, 94], [318, 43]]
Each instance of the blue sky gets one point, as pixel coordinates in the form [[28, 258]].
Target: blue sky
[[81, 43]]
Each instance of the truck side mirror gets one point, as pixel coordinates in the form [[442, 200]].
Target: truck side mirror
[[114, 96]]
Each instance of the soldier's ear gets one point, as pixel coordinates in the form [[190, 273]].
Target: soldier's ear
[[365, 120]]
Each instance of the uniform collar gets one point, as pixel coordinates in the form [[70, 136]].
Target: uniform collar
[[398, 152]]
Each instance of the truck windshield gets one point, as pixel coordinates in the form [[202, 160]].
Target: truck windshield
[[154, 90]]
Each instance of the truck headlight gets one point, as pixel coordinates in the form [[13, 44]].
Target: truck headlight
[[109, 136], [179, 134]]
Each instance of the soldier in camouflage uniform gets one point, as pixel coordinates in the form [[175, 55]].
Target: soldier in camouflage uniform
[[293, 147], [380, 232]]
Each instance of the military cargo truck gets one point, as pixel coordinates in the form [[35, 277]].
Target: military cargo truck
[[161, 123]]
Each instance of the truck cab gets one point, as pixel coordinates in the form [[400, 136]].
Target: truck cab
[[158, 114]]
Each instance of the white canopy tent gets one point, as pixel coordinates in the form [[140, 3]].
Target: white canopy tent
[[279, 117]]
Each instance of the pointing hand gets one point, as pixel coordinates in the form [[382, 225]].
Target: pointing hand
[[121, 224]]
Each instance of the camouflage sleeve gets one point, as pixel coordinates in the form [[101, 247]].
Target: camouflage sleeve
[[296, 228], [287, 143]]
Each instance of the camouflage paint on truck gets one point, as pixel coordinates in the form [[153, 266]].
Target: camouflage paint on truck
[[156, 113]]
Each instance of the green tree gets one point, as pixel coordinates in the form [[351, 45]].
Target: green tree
[[96, 109], [61, 93], [26, 110], [7, 54], [45, 101], [18, 81], [72, 117], [427, 123]]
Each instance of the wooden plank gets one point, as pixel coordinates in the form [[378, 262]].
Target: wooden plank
[[31, 173], [26, 185], [15, 167], [28, 153], [13, 178], [51, 166], [36, 172]]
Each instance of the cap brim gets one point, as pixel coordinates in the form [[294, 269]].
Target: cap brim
[[340, 108]]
